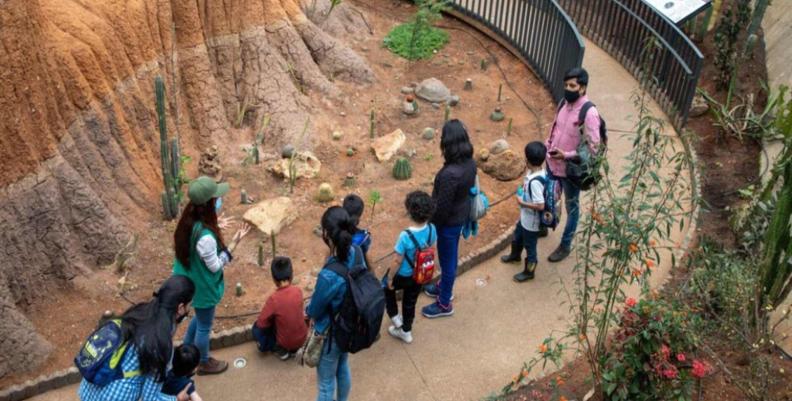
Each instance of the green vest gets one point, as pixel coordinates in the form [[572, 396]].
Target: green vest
[[209, 287]]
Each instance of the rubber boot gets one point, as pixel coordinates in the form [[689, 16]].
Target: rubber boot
[[526, 274], [514, 256]]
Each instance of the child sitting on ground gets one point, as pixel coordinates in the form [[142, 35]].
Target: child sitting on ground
[[531, 200], [354, 207], [185, 362], [421, 235], [281, 327]]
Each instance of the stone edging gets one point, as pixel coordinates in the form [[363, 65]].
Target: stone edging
[[223, 339]]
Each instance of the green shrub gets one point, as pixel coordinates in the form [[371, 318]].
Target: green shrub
[[651, 357], [399, 41]]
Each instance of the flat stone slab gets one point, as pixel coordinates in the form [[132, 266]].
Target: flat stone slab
[[271, 215]]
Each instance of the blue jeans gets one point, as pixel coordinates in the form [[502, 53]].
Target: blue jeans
[[528, 240], [572, 205], [448, 253], [333, 371], [265, 338], [199, 330]]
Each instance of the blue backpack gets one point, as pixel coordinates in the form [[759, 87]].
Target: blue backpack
[[99, 359], [362, 238], [549, 217]]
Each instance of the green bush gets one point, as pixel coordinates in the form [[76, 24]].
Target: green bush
[[651, 357], [400, 41]]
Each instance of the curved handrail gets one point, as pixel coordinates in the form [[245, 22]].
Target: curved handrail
[[540, 30]]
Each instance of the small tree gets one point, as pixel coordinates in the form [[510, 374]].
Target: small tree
[[418, 39]]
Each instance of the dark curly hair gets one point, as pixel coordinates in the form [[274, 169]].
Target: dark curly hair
[[420, 206]]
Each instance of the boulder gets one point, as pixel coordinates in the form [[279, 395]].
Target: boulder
[[271, 215], [387, 146], [505, 166], [699, 106], [209, 164], [306, 164], [499, 146], [432, 90]]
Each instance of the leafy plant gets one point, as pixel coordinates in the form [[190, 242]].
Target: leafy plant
[[333, 4], [374, 198], [418, 39], [652, 354]]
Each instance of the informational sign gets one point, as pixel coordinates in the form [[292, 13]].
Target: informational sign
[[678, 10]]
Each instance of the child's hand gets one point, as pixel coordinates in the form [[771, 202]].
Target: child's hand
[[183, 396], [195, 397]]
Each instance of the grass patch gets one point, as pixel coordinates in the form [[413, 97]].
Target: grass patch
[[415, 44]]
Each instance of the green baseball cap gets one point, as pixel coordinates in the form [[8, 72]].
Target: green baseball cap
[[203, 188]]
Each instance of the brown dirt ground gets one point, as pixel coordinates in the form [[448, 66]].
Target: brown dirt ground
[[726, 165], [66, 322]]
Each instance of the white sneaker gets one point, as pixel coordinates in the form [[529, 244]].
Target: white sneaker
[[397, 321], [405, 336]]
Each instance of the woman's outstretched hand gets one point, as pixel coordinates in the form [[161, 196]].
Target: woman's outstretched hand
[[224, 222], [241, 233]]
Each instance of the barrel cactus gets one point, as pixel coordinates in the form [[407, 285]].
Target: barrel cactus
[[325, 193], [402, 170]]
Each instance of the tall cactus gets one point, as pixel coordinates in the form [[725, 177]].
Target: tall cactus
[[169, 157]]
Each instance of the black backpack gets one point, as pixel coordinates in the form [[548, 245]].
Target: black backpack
[[590, 169], [357, 323]]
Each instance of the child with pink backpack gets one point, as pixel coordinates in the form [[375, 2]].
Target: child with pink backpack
[[415, 265]]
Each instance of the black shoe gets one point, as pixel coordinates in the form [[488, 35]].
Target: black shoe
[[559, 254], [282, 354], [511, 258], [543, 232], [526, 274]]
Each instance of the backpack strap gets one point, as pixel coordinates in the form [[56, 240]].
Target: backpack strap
[[583, 111], [541, 179]]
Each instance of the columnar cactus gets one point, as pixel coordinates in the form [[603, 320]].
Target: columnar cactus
[[169, 157], [402, 170]]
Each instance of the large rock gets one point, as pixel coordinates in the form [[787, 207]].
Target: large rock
[[504, 166], [306, 164], [387, 146], [699, 106], [432, 90], [499, 146], [271, 215]]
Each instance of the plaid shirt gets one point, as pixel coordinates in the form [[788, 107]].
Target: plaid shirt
[[136, 388]]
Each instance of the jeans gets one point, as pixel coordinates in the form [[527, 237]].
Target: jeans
[[199, 330], [333, 371], [527, 240], [409, 298], [572, 205], [448, 253], [265, 338]]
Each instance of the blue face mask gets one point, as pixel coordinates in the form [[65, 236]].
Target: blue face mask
[[218, 204]]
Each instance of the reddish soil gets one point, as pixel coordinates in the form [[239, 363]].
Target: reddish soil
[[726, 166], [66, 322]]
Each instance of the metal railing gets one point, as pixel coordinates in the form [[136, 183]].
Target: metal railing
[[539, 30], [623, 28]]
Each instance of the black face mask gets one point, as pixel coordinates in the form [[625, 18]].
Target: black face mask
[[570, 96]]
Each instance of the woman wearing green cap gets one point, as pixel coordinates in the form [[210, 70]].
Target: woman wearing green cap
[[201, 255]]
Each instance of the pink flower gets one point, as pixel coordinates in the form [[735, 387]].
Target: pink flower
[[700, 368], [665, 352], [681, 357], [630, 302], [670, 372]]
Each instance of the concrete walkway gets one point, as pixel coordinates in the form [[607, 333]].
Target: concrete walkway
[[497, 325]]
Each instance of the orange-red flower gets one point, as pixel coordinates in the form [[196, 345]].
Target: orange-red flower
[[652, 242], [649, 263], [543, 348], [630, 302], [636, 272], [562, 398], [633, 248]]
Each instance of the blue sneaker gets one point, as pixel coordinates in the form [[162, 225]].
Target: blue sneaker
[[436, 310], [433, 291]]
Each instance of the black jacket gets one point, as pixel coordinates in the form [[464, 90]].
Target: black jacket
[[451, 193]]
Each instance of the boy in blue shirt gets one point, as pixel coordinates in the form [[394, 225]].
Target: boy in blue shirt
[[420, 206]]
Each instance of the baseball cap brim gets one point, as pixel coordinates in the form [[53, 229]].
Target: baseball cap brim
[[222, 189]]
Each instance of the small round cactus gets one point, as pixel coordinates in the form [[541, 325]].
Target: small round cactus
[[350, 180], [402, 170], [428, 133], [325, 193], [497, 115]]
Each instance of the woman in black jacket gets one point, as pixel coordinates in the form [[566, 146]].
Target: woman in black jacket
[[451, 193]]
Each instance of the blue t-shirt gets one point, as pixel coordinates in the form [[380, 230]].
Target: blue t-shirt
[[362, 238], [406, 247]]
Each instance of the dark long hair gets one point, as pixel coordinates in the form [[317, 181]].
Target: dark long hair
[[337, 232], [192, 214], [150, 325], [455, 143]]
